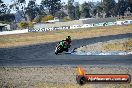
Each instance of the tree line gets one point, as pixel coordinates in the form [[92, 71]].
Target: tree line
[[48, 9]]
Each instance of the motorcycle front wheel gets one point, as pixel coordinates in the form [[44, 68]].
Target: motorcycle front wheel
[[58, 50]]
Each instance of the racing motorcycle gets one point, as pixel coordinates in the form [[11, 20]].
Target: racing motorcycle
[[62, 46]]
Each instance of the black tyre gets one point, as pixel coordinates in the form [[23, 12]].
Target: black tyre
[[58, 50], [81, 80], [56, 53], [66, 49]]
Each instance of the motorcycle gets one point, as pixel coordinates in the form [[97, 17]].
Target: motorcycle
[[60, 48]]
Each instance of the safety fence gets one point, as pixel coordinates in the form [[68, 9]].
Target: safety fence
[[71, 27], [43, 29]]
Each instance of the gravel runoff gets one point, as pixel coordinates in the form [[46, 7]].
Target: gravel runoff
[[33, 77], [96, 49]]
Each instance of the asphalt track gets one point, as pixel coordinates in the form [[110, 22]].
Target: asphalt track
[[43, 54]]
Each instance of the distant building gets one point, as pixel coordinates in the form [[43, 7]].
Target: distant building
[[8, 27], [4, 27]]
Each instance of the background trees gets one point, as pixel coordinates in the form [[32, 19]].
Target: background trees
[[77, 11], [60, 14], [48, 17], [130, 4], [19, 6], [52, 5], [108, 7], [24, 24], [3, 8], [85, 10], [5, 16], [122, 6], [32, 10], [70, 11], [100, 10]]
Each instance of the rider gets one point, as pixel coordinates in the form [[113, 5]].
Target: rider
[[66, 42]]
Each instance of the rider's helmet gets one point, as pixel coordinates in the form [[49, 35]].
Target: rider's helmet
[[68, 38]]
